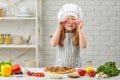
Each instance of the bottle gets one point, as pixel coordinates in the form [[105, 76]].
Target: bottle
[[1, 12], [7, 38], [1, 38]]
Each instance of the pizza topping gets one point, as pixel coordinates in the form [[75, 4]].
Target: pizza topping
[[56, 68], [67, 68], [62, 70]]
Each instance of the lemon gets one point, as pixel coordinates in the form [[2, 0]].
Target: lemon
[[87, 69]]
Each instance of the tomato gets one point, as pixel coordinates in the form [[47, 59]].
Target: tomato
[[35, 74], [91, 73], [42, 75], [81, 72], [16, 68], [29, 73]]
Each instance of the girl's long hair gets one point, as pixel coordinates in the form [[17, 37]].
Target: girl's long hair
[[75, 37]]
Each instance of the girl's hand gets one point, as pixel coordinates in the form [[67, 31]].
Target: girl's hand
[[62, 23], [79, 23]]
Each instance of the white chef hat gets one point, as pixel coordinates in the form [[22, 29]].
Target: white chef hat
[[69, 9]]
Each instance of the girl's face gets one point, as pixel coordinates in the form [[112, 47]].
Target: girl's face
[[70, 23]]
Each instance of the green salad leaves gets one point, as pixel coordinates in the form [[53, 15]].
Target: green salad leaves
[[109, 68]]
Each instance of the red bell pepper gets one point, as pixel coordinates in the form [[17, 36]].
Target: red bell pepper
[[16, 68]]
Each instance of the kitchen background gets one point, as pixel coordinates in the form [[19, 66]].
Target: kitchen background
[[101, 25]]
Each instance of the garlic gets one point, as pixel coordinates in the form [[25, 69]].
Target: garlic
[[104, 76], [101, 73], [97, 76]]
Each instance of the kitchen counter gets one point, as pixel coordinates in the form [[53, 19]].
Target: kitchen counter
[[25, 77]]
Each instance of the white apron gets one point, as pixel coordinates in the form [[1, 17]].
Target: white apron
[[69, 55]]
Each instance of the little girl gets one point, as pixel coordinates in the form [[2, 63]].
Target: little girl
[[69, 36]]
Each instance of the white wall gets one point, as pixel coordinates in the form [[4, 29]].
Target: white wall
[[101, 25]]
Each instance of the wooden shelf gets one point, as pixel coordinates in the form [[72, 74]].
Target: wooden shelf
[[24, 18], [14, 18], [17, 46]]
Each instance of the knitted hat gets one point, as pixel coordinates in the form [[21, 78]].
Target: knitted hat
[[69, 10]]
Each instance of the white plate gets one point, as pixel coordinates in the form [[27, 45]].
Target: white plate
[[55, 76]]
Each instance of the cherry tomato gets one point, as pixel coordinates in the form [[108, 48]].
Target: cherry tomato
[[42, 75]]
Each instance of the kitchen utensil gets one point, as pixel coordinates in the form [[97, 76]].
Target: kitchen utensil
[[28, 39], [19, 74]]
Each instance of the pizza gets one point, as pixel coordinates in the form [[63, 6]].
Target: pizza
[[60, 70]]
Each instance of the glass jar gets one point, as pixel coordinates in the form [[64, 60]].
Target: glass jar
[[7, 39], [88, 67], [88, 63], [1, 38], [18, 40], [1, 12]]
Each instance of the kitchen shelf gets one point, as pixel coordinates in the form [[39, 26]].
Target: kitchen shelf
[[17, 46], [19, 18], [26, 27]]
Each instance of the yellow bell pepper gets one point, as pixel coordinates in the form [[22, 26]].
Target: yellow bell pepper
[[6, 70]]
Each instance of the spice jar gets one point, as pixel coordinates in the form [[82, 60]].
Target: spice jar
[[1, 38], [7, 38], [1, 12]]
